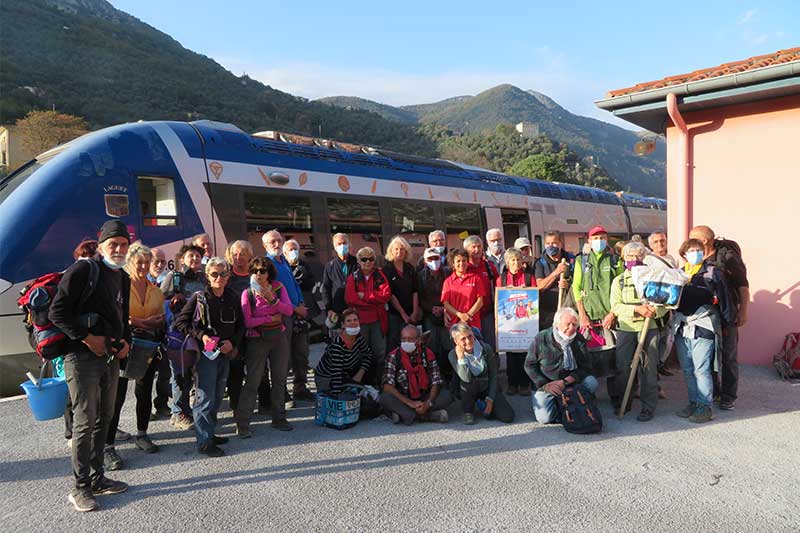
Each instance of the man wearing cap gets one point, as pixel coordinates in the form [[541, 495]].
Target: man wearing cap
[[592, 278], [97, 291], [431, 279], [523, 244]]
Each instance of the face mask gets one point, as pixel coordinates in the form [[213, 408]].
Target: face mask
[[599, 245], [695, 257], [495, 247], [112, 265], [270, 253], [342, 250], [292, 255], [434, 265], [552, 251], [254, 283], [353, 331], [630, 264], [439, 249], [408, 347]]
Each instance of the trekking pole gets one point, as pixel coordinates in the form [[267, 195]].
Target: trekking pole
[[560, 290], [634, 365]]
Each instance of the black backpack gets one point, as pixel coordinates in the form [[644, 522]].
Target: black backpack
[[579, 411]]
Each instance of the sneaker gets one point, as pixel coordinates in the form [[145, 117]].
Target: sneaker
[[395, 418], [211, 450], [288, 402], [282, 425], [83, 500], [726, 405], [122, 436], [512, 390], [645, 415], [108, 486], [661, 394], [160, 413], [469, 419], [181, 421], [144, 443], [302, 394], [525, 391], [702, 414], [717, 399], [439, 415], [687, 411], [69, 444], [220, 440], [243, 433], [111, 459]]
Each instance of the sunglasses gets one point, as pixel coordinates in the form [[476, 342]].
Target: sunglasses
[[367, 259], [260, 271], [216, 275]]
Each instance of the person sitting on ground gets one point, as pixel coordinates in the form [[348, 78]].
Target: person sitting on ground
[[556, 358], [627, 306], [476, 364], [412, 383], [346, 359]]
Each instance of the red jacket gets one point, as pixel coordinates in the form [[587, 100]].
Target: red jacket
[[377, 293]]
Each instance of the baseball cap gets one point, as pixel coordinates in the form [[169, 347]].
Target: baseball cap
[[431, 252], [597, 229], [522, 242]]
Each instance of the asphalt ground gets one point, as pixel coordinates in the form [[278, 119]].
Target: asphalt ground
[[740, 472]]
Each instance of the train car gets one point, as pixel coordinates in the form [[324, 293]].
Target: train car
[[169, 181]]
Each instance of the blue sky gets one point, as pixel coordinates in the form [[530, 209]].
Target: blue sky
[[416, 52]]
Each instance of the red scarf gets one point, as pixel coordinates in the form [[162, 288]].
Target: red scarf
[[418, 381]]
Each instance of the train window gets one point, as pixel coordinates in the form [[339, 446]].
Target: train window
[[157, 201], [461, 222], [291, 215], [414, 222], [360, 219]]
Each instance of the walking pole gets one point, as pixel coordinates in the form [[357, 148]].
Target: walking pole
[[560, 290], [634, 364]]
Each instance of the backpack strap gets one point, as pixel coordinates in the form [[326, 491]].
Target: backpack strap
[[251, 299], [89, 288], [488, 266]]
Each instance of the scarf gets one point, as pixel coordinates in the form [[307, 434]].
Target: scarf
[[565, 343], [475, 360], [418, 381], [691, 269]]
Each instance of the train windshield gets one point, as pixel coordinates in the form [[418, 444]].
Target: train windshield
[[15, 179]]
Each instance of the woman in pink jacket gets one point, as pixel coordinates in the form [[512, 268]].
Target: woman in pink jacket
[[264, 305]]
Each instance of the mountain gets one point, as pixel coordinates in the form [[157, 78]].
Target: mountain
[[609, 145], [87, 58], [388, 112]]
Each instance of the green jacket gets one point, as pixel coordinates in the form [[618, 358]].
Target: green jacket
[[592, 285], [623, 299], [545, 359]]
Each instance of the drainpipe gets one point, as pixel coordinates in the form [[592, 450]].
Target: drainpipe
[[681, 203]]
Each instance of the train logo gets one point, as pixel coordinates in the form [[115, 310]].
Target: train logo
[[216, 169]]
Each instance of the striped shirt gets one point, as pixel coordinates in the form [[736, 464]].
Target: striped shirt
[[340, 363]]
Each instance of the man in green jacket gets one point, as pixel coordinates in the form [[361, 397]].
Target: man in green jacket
[[592, 278]]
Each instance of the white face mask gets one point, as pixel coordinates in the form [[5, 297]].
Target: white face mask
[[113, 265], [292, 255], [439, 249], [254, 283], [434, 265], [408, 347], [495, 247], [353, 331]]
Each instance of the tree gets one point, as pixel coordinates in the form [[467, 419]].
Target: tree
[[505, 130], [542, 167], [42, 130]]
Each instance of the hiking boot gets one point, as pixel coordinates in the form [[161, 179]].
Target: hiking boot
[[219, 440], [111, 459], [82, 499], [645, 415], [282, 425], [701, 414], [395, 418], [512, 390], [121, 436], [288, 402], [687, 411], [469, 419], [160, 413], [108, 486], [726, 405], [439, 415], [144, 443], [181, 421], [243, 433], [302, 394], [211, 450], [525, 391]]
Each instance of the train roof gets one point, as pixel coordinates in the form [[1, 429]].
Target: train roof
[[307, 147]]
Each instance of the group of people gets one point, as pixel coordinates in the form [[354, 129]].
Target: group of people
[[421, 334]]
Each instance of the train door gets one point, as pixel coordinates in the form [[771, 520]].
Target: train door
[[537, 227], [516, 224], [413, 221]]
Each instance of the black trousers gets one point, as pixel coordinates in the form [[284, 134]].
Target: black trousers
[[726, 382], [475, 390], [515, 369]]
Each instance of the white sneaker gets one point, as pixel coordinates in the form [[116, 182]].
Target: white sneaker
[[69, 444]]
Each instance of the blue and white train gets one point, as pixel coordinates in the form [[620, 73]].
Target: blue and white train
[[169, 181]]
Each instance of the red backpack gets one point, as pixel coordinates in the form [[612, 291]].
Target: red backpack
[[43, 336], [787, 361]]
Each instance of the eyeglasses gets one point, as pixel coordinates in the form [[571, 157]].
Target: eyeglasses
[[367, 259], [260, 271], [215, 275]]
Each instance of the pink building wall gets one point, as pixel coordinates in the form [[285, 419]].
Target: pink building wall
[[745, 185]]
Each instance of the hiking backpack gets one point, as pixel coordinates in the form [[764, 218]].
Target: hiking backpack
[[35, 299], [787, 361], [579, 411]]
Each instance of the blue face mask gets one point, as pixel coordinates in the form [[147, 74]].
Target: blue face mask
[[292, 255], [694, 257], [552, 251], [342, 250], [111, 264], [434, 265], [439, 249], [599, 245], [270, 253]]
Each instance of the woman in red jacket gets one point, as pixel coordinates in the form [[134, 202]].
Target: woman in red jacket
[[367, 290]]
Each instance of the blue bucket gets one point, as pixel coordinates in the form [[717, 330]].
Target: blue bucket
[[48, 401]]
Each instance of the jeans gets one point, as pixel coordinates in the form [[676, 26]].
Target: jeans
[[648, 374], [545, 405], [377, 342], [259, 350], [474, 390], [265, 388], [515, 369], [407, 415], [726, 382], [181, 385], [211, 378], [92, 387], [696, 357]]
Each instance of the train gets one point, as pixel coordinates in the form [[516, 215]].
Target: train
[[169, 181]]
